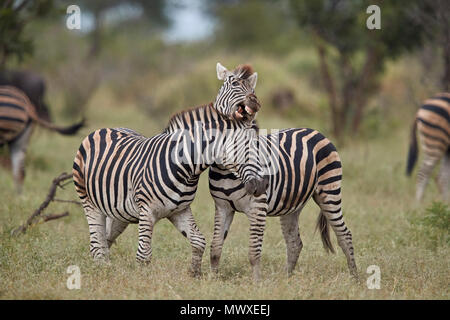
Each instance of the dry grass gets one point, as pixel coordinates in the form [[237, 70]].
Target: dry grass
[[378, 207]]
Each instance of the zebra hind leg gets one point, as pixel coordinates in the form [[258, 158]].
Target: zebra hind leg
[[145, 230], [444, 176], [114, 228], [291, 233], [18, 149], [97, 229], [222, 221], [185, 223], [330, 205], [424, 173]]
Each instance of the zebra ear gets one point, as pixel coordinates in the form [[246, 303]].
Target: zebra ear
[[252, 79], [222, 72]]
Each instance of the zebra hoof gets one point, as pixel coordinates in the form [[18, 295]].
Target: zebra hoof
[[257, 187]]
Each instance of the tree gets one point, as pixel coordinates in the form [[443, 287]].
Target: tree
[[351, 57], [153, 11], [14, 16], [433, 16]]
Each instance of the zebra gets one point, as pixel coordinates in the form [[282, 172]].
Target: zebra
[[123, 177], [17, 116], [433, 123], [303, 164]]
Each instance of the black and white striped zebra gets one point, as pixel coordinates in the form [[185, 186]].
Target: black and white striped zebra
[[302, 164], [433, 123], [127, 178], [17, 116]]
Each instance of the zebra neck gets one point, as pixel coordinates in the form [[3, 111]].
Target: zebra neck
[[199, 144]]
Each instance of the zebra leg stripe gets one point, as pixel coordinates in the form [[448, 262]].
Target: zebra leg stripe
[[331, 209], [291, 233], [424, 174], [97, 230], [257, 218], [222, 221], [444, 176], [185, 223], [146, 224], [18, 150]]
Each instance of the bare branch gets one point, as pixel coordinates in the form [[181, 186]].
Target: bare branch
[[49, 217], [50, 197]]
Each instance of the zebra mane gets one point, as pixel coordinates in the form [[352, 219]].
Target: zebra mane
[[177, 117], [243, 71]]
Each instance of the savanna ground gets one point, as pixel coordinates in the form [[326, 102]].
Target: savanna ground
[[389, 229]]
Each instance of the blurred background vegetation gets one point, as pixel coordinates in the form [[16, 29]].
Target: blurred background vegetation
[[319, 66]]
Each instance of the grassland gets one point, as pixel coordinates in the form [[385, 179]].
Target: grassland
[[378, 207]]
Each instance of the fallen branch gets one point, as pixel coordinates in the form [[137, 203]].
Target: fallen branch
[[49, 217], [50, 197]]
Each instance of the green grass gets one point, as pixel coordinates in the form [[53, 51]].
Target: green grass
[[379, 208]]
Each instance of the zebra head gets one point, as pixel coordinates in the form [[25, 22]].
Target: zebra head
[[236, 98], [242, 158]]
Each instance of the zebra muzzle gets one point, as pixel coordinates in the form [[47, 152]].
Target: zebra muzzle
[[247, 108]]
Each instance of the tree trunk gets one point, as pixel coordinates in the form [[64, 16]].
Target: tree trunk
[[330, 89], [364, 82]]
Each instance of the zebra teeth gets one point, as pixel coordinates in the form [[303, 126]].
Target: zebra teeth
[[249, 110], [238, 115]]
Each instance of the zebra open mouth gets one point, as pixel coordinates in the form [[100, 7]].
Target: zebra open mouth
[[243, 111]]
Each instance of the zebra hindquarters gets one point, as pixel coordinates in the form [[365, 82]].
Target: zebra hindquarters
[[328, 196]]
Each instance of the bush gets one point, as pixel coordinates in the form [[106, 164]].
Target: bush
[[434, 227]]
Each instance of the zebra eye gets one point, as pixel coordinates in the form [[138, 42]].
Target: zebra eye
[[235, 83]]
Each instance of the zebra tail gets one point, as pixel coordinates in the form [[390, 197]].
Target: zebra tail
[[70, 130], [412, 154], [322, 225]]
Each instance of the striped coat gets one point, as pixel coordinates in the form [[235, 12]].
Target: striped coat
[[301, 163], [123, 177], [17, 116], [432, 122]]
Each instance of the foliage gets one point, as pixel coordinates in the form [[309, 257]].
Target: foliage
[[434, 226], [351, 56], [14, 16], [256, 25]]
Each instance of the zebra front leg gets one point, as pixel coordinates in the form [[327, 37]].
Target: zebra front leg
[[257, 217], [18, 150], [97, 230], [146, 224], [291, 233], [114, 228], [222, 220], [185, 223]]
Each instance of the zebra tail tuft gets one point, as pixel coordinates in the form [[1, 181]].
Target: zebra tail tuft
[[322, 225], [71, 130], [412, 154]]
